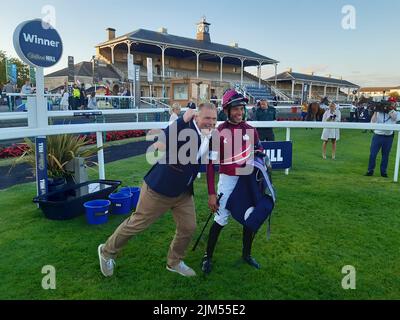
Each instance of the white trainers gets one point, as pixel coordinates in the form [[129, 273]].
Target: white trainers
[[106, 265], [182, 269]]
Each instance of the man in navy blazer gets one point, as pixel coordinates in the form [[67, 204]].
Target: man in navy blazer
[[169, 186]]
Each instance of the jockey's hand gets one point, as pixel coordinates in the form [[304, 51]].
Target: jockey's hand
[[213, 203], [259, 153]]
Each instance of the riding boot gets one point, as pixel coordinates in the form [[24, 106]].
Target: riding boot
[[248, 237], [212, 241]]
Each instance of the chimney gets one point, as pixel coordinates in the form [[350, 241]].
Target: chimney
[[312, 73], [110, 33], [234, 45], [290, 70], [162, 30]]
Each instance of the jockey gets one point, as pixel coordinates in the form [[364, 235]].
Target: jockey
[[237, 143]]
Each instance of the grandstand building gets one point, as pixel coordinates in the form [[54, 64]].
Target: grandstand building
[[292, 84], [182, 68], [379, 93]]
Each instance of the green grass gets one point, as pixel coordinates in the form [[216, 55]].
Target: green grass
[[328, 216]]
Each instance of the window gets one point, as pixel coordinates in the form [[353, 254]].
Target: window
[[181, 92]]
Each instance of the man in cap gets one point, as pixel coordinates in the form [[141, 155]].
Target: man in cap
[[237, 144]]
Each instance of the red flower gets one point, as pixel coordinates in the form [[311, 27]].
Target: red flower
[[13, 151]]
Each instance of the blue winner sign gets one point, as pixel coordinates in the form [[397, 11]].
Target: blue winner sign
[[38, 44]]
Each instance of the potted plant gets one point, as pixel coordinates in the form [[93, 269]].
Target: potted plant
[[61, 150]]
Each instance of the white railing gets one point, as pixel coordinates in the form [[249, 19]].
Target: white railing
[[153, 101], [57, 95], [48, 95], [21, 132], [71, 113], [291, 104], [16, 133], [12, 103], [13, 116], [115, 102], [6, 116], [280, 93], [114, 97], [38, 115]]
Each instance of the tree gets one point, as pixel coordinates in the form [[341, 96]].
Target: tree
[[3, 76], [394, 94], [22, 69]]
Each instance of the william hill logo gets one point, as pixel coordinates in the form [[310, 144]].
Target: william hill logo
[[35, 56], [275, 155]]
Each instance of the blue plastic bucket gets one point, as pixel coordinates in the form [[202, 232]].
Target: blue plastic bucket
[[135, 191], [121, 202], [97, 211]]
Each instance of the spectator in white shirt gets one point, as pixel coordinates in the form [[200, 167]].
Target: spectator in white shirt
[[26, 88], [331, 115], [92, 104], [382, 139], [64, 104], [175, 111]]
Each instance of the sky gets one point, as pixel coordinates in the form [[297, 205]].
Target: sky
[[305, 35]]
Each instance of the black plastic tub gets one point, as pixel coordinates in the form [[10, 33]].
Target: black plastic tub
[[68, 202]]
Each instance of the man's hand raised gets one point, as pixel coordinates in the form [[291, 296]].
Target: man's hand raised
[[190, 113]]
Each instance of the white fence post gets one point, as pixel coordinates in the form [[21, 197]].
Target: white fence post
[[41, 100], [32, 114], [287, 139], [100, 155], [396, 168]]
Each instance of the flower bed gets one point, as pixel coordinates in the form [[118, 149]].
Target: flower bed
[[17, 150], [117, 135]]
